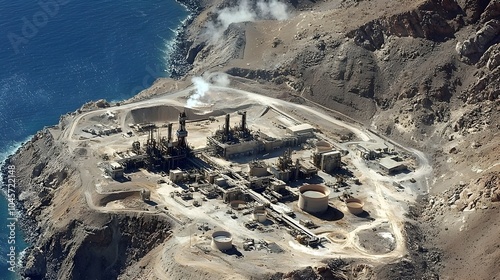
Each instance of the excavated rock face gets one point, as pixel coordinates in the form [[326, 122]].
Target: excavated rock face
[[336, 269], [475, 119], [485, 88], [491, 58]]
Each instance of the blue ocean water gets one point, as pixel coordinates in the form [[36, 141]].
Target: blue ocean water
[[56, 55]]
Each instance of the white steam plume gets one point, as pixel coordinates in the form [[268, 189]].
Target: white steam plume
[[273, 10], [220, 79], [243, 13], [201, 89], [203, 84]]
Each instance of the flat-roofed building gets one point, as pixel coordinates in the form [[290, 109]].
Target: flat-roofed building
[[300, 129], [176, 175], [330, 161], [372, 150], [391, 166], [114, 170]]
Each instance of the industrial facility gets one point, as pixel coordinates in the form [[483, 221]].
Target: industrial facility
[[240, 141], [245, 176], [157, 153]]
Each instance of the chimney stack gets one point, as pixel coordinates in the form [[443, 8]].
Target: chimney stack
[[226, 127], [244, 121]]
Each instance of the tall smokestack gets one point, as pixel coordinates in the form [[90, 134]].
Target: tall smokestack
[[244, 121], [182, 132], [226, 127], [169, 136], [297, 169]]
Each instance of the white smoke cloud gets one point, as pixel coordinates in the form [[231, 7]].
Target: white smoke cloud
[[202, 85], [201, 89], [243, 13], [219, 79], [273, 9]]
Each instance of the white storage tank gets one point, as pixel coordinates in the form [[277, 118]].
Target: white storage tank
[[222, 240], [314, 198]]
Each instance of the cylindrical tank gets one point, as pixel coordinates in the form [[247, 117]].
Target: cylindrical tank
[[314, 198], [222, 240], [354, 205], [259, 215]]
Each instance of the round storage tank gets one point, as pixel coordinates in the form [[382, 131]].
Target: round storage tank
[[222, 240], [314, 198], [354, 205]]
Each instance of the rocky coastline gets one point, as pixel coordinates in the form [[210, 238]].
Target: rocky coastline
[[178, 66]]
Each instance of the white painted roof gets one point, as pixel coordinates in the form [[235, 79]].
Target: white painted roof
[[301, 127]]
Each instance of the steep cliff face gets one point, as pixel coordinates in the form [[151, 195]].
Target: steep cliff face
[[93, 246]]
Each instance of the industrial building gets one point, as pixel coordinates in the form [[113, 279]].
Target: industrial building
[[228, 142], [259, 215], [258, 169], [176, 175], [260, 174], [261, 188], [371, 151], [391, 165], [325, 158], [114, 170], [158, 153], [286, 169], [239, 140], [301, 130], [327, 161]]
